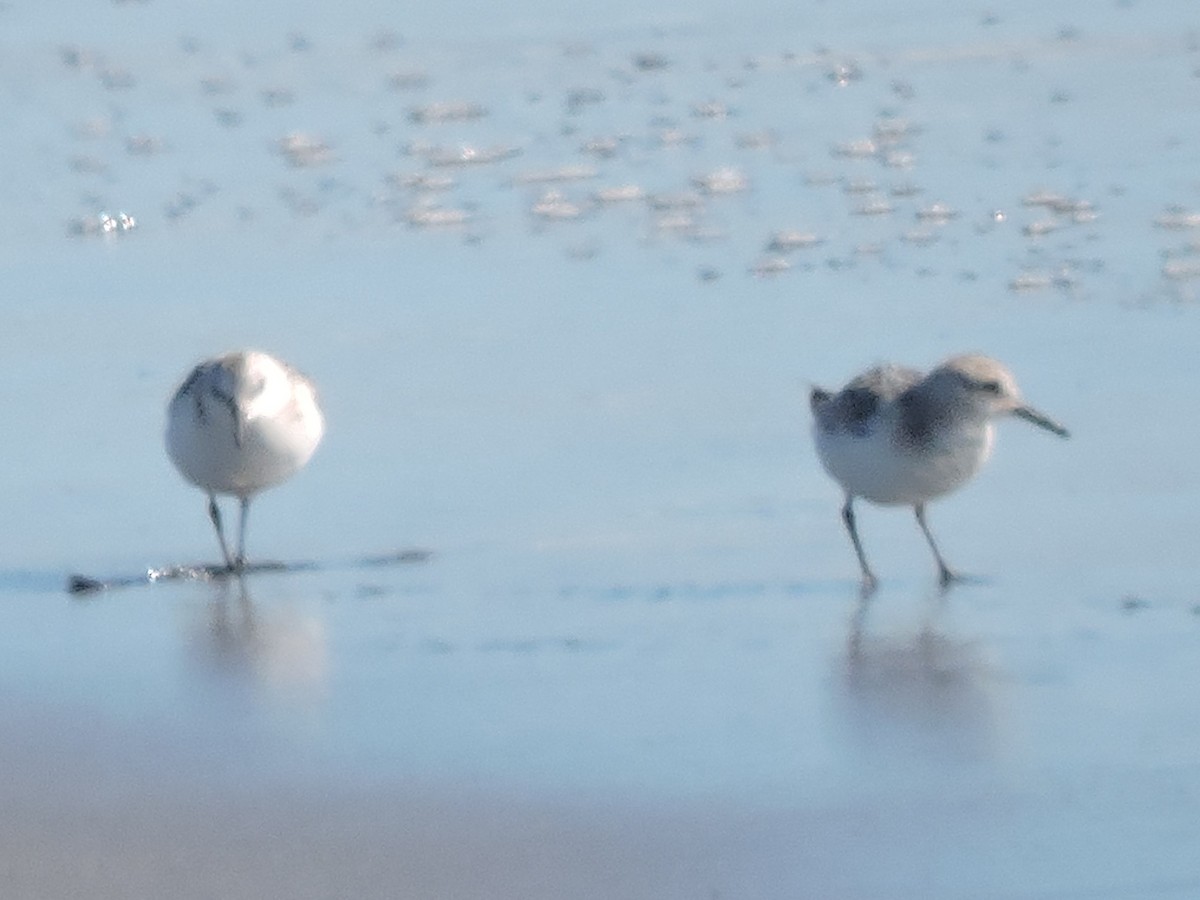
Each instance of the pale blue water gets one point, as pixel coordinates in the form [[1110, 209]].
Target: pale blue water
[[640, 620]]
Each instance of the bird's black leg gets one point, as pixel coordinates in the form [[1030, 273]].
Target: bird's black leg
[[945, 576], [868, 577], [214, 513], [240, 559]]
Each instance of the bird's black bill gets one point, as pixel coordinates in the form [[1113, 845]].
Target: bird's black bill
[[1029, 414]]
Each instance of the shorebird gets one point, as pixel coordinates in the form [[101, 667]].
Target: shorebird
[[896, 436], [239, 424]]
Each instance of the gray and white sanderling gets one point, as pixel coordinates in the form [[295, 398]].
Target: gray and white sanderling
[[897, 436], [239, 424]]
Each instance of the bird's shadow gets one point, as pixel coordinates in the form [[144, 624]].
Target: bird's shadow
[[868, 588], [964, 580], [86, 585]]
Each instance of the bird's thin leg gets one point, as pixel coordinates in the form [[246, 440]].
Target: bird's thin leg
[[240, 560], [868, 577], [214, 513], [945, 575]]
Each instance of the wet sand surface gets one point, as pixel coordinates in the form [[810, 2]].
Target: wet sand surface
[[564, 282]]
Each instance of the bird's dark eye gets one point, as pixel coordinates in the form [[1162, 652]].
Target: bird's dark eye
[[990, 387]]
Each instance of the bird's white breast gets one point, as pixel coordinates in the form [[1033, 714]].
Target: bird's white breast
[[873, 465], [279, 429]]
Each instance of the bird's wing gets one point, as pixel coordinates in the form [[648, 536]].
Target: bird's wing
[[855, 407]]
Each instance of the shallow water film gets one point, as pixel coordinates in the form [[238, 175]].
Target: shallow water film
[[565, 606]]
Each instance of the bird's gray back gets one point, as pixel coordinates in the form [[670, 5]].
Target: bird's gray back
[[929, 410], [854, 408]]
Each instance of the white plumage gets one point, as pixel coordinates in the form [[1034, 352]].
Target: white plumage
[[896, 436], [239, 424]]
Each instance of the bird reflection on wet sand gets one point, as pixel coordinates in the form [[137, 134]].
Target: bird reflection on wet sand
[[927, 694], [276, 647]]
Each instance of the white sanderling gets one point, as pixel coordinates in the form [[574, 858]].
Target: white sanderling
[[241, 423], [895, 436]]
